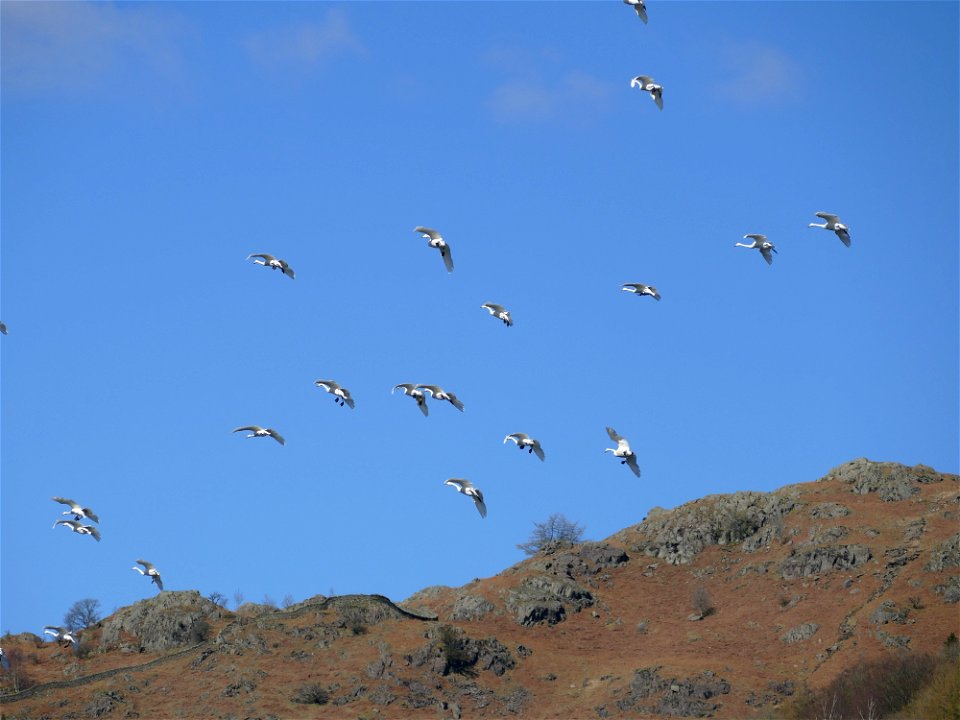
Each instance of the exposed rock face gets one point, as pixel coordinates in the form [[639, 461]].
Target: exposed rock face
[[945, 555], [823, 559], [449, 650], [888, 612], [545, 598], [801, 632], [829, 510], [693, 697], [169, 619], [677, 536], [471, 607], [574, 561], [891, 481]]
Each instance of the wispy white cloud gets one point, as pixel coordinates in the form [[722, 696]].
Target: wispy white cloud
[[755, 73], [77, 46], [530, 94], [307, 45]]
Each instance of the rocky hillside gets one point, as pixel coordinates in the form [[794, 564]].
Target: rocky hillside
[[723, 607]]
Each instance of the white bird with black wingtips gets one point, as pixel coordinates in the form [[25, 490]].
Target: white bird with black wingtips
[[640, 289], [832, 222], [416, 393], [271, 262], [60, 634], [438, 393], [80, 529], [150, 571], [466, 487], [79, 513], [499, 312], [341, 395], [435, 240], [257, 431], [524, 441], [760, 243], [623, 451], [641, 8], [647, 83]]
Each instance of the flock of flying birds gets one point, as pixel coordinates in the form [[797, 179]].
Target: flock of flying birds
[[420, 392]]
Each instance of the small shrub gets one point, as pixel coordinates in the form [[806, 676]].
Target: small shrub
[[311, 694], [454, 649], [702, 602]]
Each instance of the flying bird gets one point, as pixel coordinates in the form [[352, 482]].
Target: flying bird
[[525, 441], [466, 487], [78, 528], [3, 327], [4, 662], [760, 243], [79, 513], [640, 7], [341, 395], [435, 240], [60, 634], [641, 289], [499, 312], [833, 223], [438, 393], [257, 431], [416, 393], [645, 82], [271, 262], [623, 451], [150, 571]]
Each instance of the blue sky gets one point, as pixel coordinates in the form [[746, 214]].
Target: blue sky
[[147, 149]]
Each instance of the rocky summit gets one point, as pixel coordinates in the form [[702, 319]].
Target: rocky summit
[[729, 606]]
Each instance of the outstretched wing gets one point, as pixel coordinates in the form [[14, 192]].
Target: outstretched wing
[[516, 437], [157, 580], [406, 387], [430, 232], [632, 464], [328, 385], [87, 512], [493, 308], [844, 237], [455, 401], [276, 436], [828, 217], [251, 428], [481, 506], [148, 566], [64, 501], [538, 451], [767, 255], [93, 531], [447, 257], [267, 258], [613, 435]]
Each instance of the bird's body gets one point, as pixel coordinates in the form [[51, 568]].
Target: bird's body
[[832, 222], [438, 393], [435, 240], [760, 243], [81, 529], [640, 7], [499, 312], [623, 451], [60, 634], [466, 487], [524, 441], [640, 289], [257, 431], [341, 395], [150, 571], [647, 84], [271, 262], [79, 513], [416, 393]]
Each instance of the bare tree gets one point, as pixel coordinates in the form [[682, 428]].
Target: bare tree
[[82, 614], [288, 600], [555, 528], [237, 598], [218, 598], [701, 601]]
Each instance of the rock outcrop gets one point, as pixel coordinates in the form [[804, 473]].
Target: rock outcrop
[[167, 620]]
